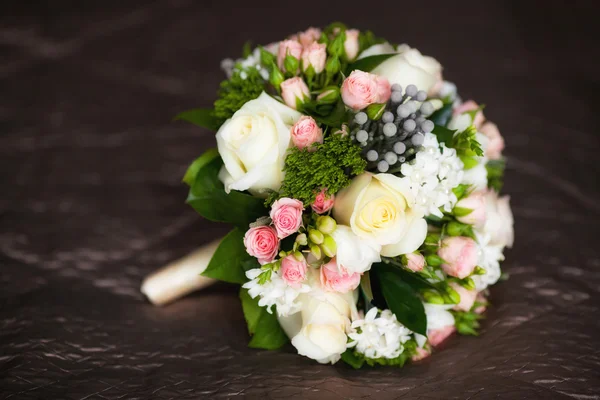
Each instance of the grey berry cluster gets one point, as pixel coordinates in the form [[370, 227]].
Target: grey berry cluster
[[395, 137]]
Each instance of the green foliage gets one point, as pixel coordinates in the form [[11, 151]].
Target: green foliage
[[467, 322], [442, 116], [207, 196], [330, 166], [332, 115], [202, 117], [231, 260], [466, 144], [236, 91], [262, 326], [356, 360], [367, 39], [401, 298], [495, 171], [368, 63], [198, 164]]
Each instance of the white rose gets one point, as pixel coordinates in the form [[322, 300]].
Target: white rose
[[380, 208], [253, 144], [353, 253], [408, 67], [319, 330], [499, 222], [377, 49]]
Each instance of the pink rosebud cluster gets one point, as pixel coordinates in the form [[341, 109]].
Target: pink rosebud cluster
[[361, 89], [323, 203], [294, 91], [293, 270], [262, 242], [476, 202], [495, 145], [286, 214]]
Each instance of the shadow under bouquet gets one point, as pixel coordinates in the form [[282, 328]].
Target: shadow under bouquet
[[363, 195]]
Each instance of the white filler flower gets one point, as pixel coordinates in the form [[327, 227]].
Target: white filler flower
[[434, 172], [378, 337], [275, 292]]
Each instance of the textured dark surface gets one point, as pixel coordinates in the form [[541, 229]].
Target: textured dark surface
[[90, 167]]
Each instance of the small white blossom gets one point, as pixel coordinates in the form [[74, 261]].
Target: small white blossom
[[378, 337], [275, 292], [434, 172], [489, 257]]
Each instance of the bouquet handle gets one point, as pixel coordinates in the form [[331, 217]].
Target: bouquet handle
[[180, 277]]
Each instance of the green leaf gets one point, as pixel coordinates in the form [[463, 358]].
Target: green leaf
[[401, 299], [444, 135], [495, 171], [263, 327], [198, 164], [442, 116], [207, 196], [365, 285], [202, 117], [247, 49], [230, 261], [352, 359], [461, 211], [368, 63]]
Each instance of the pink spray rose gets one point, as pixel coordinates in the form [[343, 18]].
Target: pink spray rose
[[420, 354], [286, 214], [437, 336], [306, 132], [294, 89], [334, 279], [293, 272], [351, 44], [460, 256], [262, 242], [467, 106], [467, 297], [481, 299], [476, 202], [496, 142], [323, 202], [309, 36], [288, 48], [415, 262], [361, 89], [315, 54]]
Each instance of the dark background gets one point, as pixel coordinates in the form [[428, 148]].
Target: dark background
[[91, 202]]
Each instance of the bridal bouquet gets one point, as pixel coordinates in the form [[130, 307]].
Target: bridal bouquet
[[363, 194]]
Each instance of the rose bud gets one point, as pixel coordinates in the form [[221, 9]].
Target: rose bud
[[476, 203], [361, 89], [460, 256], [415, 262], [294, 91], [329, 246], [334, 279], [309, 36], [293, 270], [437, 336], [323, 202], [467, 106], [326, 224], [329, 96], [286, 214], [351, 45], [493, 151], [467, 297], [314, 55], [288, 48], [306, 132], [262, 242]]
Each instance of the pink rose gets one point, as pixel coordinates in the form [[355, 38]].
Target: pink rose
[[481, 299], [288, 48], [315, 55], [334, 279], [467, 297], [323, 202], [306, 132], [293, 90], [420, 354], [262, 242], [496, 142], [293, 272], [437, 336], [476, 202], [309, 36], [351, 45], [361, 89], [286, 214], [467, 106], [460, 256], [415, 262]]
